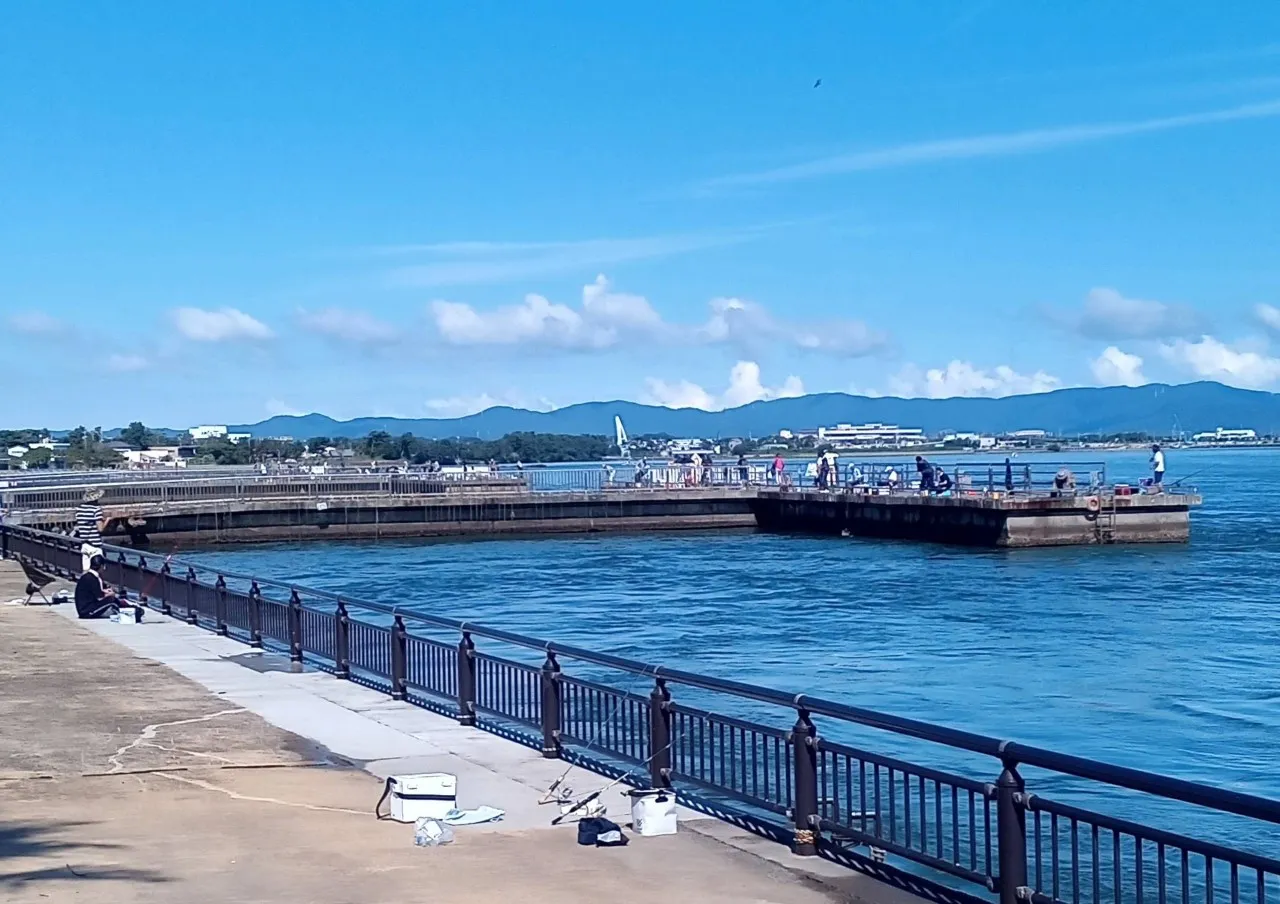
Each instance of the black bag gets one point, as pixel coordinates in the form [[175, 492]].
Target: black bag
[[596, 831]]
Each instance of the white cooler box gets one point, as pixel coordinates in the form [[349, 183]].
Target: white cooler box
[[430, 794], [653, 812]]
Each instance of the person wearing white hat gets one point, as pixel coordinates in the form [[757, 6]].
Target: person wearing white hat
[[89, 525]]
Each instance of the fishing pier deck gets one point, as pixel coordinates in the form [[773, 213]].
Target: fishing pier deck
[[236, 510], [992, 520]]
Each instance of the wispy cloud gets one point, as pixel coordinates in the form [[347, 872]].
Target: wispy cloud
[[37, 323], [222, 325], [1107, 314], [348, 325], [467, 263], [123, 364], [608, 318], [1006, 144], [462, 405]]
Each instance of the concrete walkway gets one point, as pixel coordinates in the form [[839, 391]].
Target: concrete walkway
[[159, 762]]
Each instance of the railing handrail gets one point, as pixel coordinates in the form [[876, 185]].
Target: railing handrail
[[1010, 753]]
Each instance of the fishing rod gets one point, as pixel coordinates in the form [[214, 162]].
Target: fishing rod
[[1189, 476]]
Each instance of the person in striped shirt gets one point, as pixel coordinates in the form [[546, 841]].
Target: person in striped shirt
[[89, 525], [89, 520]]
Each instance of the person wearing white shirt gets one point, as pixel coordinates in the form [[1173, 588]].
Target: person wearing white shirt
[[1157, 468]]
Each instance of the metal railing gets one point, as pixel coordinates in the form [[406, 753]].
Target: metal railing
[[726, 748], [1027, 478], [1035, 478], [246, 488]]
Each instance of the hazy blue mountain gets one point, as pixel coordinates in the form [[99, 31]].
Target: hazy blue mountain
[[1157, 409]]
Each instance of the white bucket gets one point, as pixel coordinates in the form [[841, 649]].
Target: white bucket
[[428, 794], [129, 615], [653, 812]]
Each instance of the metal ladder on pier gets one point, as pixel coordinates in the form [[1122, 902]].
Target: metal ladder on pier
[[1105, 524]]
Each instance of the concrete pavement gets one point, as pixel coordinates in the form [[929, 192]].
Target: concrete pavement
[[159, 763]]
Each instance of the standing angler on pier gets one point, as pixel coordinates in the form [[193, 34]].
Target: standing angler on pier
[[1157, 469]]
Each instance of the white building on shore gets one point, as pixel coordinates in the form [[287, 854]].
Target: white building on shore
[[1222, 435], [854, 435]]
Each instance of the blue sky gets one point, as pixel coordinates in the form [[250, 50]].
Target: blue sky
[[216, 213]]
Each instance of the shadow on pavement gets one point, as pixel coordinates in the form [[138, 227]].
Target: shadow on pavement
[[49, 842]]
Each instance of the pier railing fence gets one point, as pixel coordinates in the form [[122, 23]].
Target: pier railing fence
[[986, 819]]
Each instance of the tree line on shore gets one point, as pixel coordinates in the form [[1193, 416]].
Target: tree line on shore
[[87, 448]]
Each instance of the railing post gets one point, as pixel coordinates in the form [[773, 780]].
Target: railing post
[[220, 605], [466, 680], [342, 641], [295, 626], [142, 581], [255, 615], [1011, 833], [4, 541], [399, 660], [166, 584], [660, 735], [551, 707], [804, 807], [121, 589], [193, 614]]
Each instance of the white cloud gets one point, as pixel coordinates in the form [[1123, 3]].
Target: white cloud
[[750, 326], [1006, 144], [347, 325], [1268, 316], [463, 263], [536, 321], [606, 318], [1215, 360], [1106, 314], [744, 387], [222, 325], [460, 406], [122, 364], [961, 378], [36, 323], [277, 407], [1116, 368]]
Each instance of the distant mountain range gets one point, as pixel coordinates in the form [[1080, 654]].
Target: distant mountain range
[[1157, 409]]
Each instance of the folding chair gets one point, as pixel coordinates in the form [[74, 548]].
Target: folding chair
[[37, 580]]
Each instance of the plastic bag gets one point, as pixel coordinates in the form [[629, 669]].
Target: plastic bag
[[428, 832]]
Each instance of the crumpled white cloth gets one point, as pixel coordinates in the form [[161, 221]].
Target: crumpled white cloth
[[474, 817]]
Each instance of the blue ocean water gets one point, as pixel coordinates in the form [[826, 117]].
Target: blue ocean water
[[1158, 657]]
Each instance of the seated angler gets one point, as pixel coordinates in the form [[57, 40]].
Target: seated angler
[[94, 599]]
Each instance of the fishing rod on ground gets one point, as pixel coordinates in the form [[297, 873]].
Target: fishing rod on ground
[[565, 796]]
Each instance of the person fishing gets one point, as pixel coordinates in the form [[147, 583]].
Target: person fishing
[[1157, 469], [94, 599], [926, 474]]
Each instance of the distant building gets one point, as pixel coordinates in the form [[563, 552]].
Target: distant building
[[1222, 435], [208, 431], [17, 451], [155, 457], [852, 435], [239, 437], [1028, 434]]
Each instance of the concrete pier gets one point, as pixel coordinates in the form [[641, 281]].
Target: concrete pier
[[230, 520], [161, 763], [970, 517], [980, 519]]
